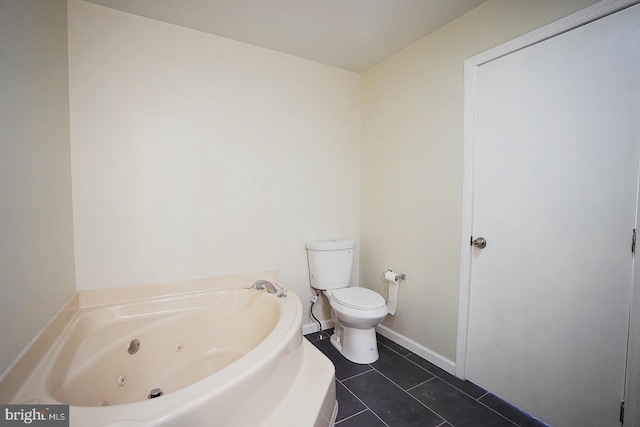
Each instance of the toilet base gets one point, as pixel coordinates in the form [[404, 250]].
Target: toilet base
[[357, 345]]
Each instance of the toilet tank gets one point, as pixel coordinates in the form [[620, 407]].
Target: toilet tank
[[330, 263]]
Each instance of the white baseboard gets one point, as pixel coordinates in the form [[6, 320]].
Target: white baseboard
[[313, 327], [420, 350]]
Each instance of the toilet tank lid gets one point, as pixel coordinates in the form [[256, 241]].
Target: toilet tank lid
[[331, 245]]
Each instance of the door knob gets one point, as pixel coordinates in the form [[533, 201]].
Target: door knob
[[479, 242]]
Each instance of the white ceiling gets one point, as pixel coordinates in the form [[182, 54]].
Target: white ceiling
[[349, 34]]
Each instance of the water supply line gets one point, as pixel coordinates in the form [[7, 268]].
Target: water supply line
[[314, 299]]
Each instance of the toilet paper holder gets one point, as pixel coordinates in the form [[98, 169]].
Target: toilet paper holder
[[399, 276]]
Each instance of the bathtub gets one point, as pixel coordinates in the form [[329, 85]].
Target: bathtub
[[200, 353]]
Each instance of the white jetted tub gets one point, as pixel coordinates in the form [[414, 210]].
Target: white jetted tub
[[200, 353]]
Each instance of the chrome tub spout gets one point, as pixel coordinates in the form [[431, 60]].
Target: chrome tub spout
[[271, 287]]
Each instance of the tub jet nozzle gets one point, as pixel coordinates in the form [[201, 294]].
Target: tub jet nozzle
[[134, 346]]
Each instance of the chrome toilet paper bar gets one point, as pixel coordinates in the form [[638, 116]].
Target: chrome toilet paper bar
[[399, 276]]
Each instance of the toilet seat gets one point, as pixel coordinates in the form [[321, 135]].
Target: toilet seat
[[358, 298]]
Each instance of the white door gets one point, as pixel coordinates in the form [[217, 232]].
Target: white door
[[556, 149]]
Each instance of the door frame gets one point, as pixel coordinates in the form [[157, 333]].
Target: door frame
[[592, 13]]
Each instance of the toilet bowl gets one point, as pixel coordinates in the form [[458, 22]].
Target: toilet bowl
[[355, 311]]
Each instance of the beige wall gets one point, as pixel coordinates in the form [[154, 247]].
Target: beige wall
[[196, 156], [412, 143], [36, 249]]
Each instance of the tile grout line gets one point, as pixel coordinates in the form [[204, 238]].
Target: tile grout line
[[463, 392], [378, 417], [493, 410], [360, 400], [412, 396], [406, 357], [353, 415], [371, 368], [441, 416], [434, 375], [367, 408], [443, 379], [399, 354], [422, 383]]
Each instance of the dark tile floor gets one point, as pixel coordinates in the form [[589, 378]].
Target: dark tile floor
[[401, 389]]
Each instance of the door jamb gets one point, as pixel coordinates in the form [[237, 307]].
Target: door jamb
[[592, 13]]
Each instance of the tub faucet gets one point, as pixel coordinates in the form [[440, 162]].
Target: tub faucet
[[271, 287]]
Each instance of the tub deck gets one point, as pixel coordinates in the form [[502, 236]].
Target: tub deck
[[220, 354]]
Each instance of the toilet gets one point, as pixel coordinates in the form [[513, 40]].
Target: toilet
[[355, 311]]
